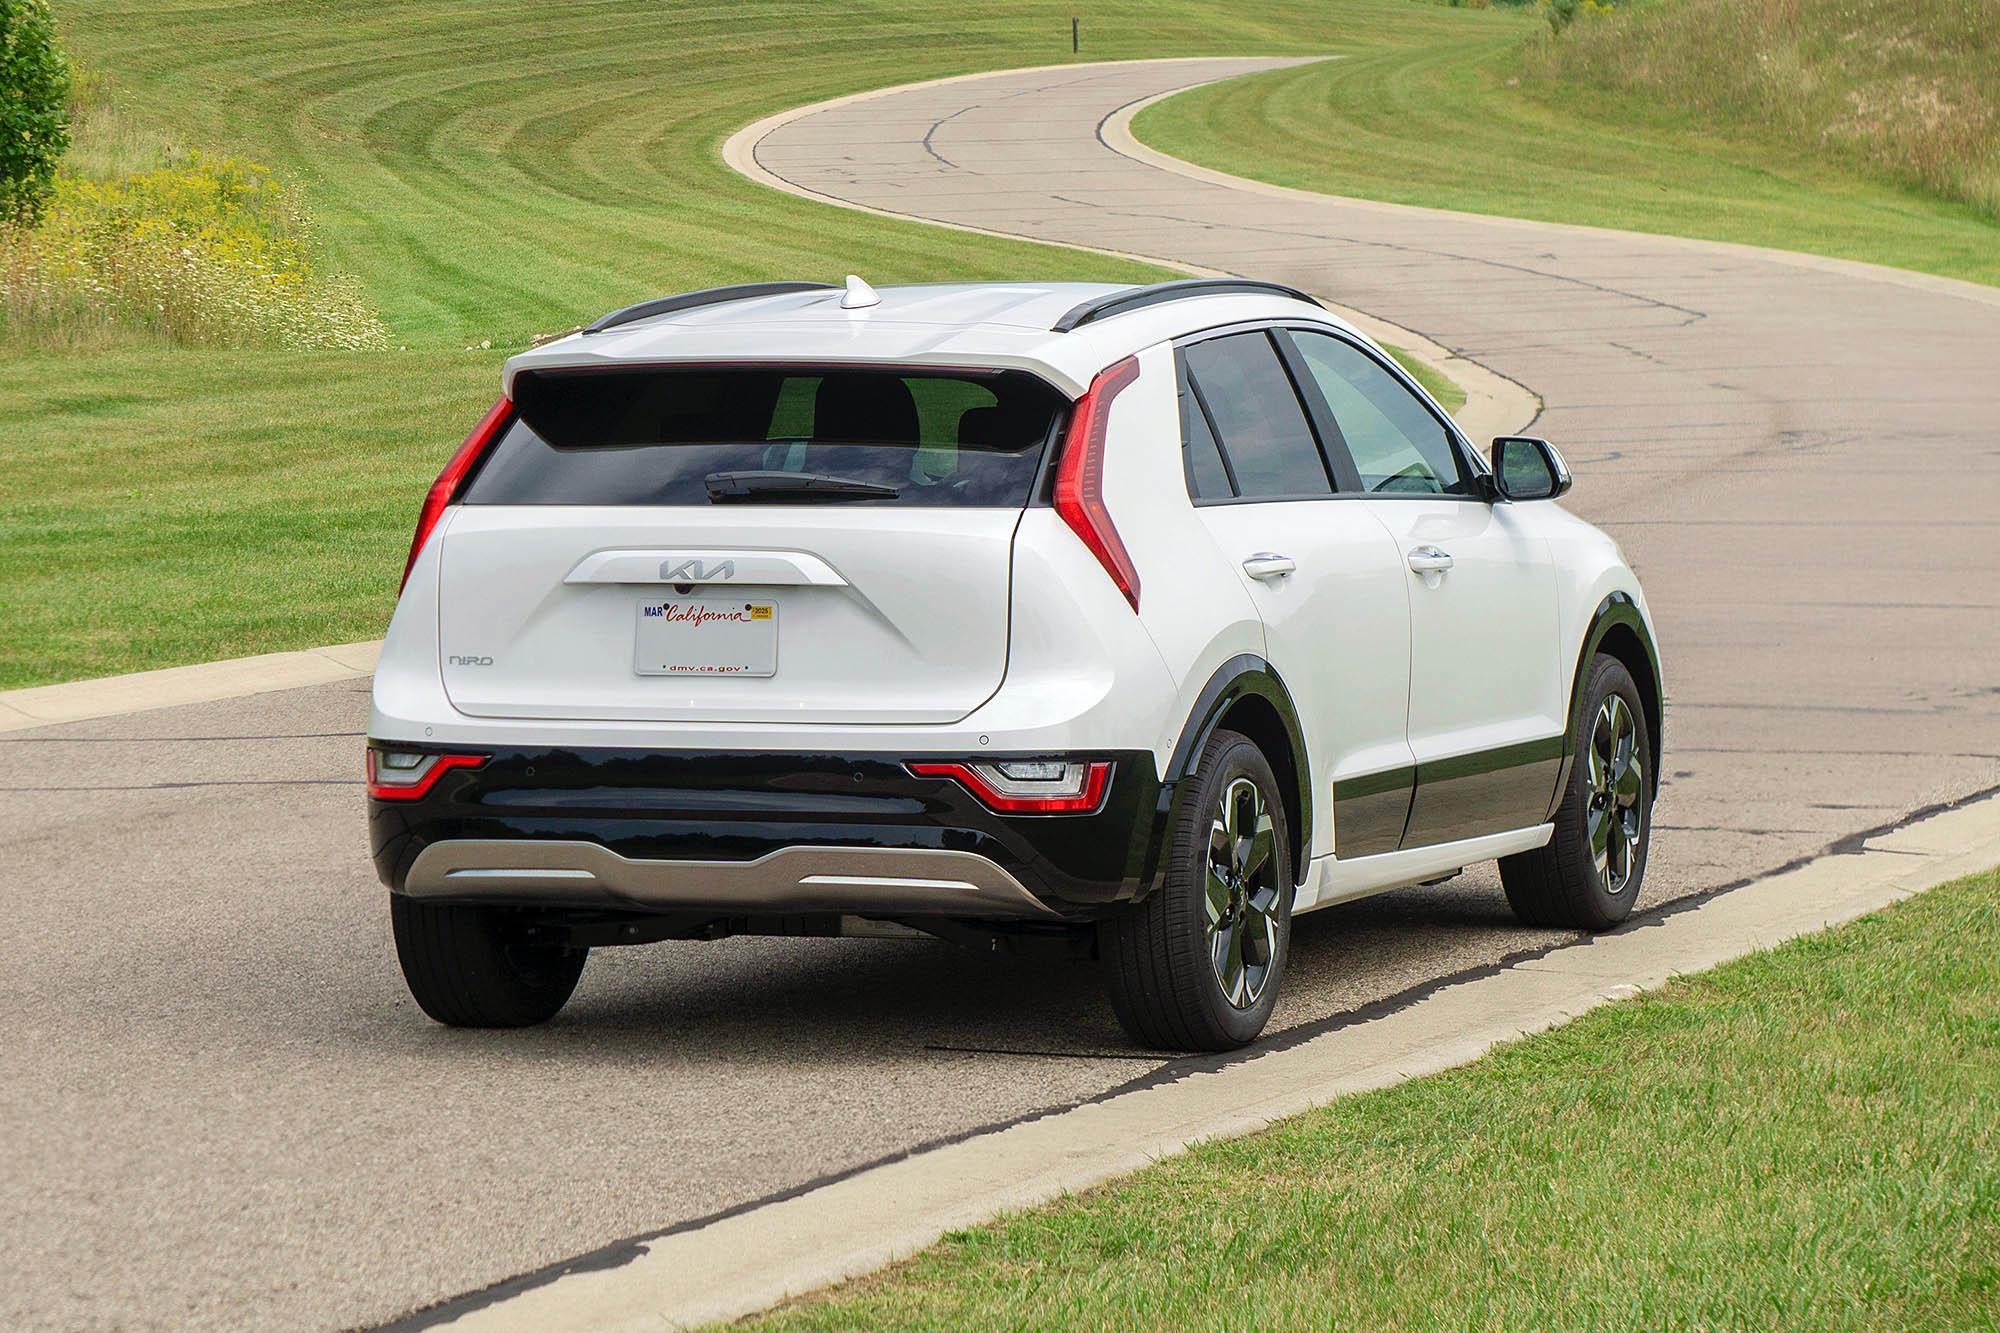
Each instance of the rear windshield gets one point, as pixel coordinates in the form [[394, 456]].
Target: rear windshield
[[685, 437]]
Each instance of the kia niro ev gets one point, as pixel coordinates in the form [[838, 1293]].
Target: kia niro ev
[[1132, 620]]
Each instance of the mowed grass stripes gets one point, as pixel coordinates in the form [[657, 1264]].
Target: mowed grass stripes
[[489, 171], [497, 170]]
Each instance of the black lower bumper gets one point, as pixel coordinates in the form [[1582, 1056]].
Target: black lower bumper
[[657, 805]]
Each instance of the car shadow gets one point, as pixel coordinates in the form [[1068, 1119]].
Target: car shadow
[[753, 1001]]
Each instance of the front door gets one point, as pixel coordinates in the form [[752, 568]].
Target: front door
[[1486, 685]]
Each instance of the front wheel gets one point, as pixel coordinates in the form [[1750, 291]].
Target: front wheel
[[1196, 965], [475, 967], [1588, 875]]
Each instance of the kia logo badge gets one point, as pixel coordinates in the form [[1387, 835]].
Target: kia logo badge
[[694, 571]]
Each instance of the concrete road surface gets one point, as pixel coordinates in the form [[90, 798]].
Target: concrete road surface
[[221, 1109]]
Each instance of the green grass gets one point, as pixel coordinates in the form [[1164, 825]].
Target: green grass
[[1449, 396], [501, 168], [167, 507], [1805, 1138], [1454, 124]]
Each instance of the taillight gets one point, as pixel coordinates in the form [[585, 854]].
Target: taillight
[[445, 489], [1029, 787], [405, 775], [1080, 478]]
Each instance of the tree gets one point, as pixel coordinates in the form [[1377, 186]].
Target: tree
[[34, 106]]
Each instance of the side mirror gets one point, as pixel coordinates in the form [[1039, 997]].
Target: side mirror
[[1525, 468]]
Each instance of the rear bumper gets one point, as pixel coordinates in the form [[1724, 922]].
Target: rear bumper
[[755, 833], [896, 881]]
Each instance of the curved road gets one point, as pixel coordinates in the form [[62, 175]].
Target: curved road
[[221, 1108], [1799, 455]]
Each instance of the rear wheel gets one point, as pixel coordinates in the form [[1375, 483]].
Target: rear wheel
[[1589, 874], [1196, 965], [474, 967]]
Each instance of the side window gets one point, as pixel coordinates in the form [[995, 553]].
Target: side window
[[1201, 457], [1266, 441], [1397, 445]]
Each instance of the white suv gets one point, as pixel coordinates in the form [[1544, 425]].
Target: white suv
[[1129, 619]]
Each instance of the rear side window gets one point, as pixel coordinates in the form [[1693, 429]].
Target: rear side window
[[665, 437], [1249, 400], [1398, 446]]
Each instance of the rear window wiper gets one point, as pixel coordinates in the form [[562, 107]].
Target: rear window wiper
[[791, 488]]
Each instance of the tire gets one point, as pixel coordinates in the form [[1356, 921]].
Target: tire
[[1190, 970], [471, 967], [1590, 873]]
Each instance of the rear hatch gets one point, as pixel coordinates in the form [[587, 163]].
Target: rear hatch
[[769, 544]]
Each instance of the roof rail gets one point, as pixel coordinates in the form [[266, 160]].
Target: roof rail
[[1135, 298], [666, 305]]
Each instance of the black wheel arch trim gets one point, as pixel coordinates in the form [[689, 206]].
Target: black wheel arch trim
[[1618, 610], [1241, 677]]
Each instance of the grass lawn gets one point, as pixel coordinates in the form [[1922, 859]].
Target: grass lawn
[[1805, 1138], [493, 169], [1449, 396], [1453, 125], [160, 507]]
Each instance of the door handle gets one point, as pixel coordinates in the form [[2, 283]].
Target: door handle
[[1428, 560], [1268, 565]]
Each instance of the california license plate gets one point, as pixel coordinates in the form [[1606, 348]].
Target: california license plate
[[678, 637]]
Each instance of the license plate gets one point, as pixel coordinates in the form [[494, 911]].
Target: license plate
[[678, 637]]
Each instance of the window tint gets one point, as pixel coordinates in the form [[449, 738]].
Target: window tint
[[1201, 457], [654, 436], [1395, 441], [1269, 446]]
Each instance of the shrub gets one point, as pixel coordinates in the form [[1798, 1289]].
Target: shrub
[[34, 96], [204, 252], [1562, 13]]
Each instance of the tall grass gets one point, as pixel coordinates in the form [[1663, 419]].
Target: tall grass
[[1908, 88], [145, 242]]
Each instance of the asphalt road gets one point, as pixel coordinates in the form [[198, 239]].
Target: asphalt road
[[221, 1108]]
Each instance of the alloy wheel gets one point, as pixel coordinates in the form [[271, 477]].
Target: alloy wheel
[[1242, 892], [1617, 783]]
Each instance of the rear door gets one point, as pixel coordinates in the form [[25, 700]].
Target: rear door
[[1486, 685], [1325, 577], [743, 545]]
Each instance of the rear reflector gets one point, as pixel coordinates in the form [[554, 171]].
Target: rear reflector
[[1077, 789], [405, 775], [1080, 478], [445, 489]]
